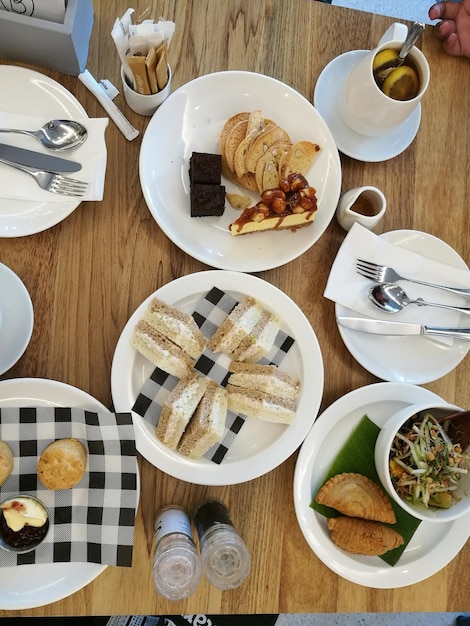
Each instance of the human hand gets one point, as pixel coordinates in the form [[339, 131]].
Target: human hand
[[454, 27]]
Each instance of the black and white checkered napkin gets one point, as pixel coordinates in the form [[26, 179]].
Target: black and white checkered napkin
[[94, 521], [209, 314]]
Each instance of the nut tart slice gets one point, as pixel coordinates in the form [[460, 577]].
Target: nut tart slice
[[292, 205]]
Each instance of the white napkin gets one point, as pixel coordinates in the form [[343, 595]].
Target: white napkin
[[91, 154], [346, 287]]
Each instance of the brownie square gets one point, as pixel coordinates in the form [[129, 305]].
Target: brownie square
[[205, 168], [207, 200]]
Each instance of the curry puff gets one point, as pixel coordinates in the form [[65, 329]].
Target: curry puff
[[365, 537], [356, 495]]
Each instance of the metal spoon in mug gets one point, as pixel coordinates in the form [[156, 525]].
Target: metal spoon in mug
[[414, 33], [56, 135], [392, 298]]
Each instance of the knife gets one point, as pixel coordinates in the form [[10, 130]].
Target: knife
[[382, 327], [37, 159]]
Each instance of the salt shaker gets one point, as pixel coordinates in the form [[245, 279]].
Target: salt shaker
[[176, 563], [225, 558]]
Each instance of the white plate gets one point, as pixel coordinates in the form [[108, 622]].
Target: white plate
[[416, 360], [432, 547], [354, 145], [16, 318], [260, 446], [30, 586], [26, 92], [191, 120]]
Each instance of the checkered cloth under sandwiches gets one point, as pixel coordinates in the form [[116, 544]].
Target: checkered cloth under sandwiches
[[94, 521]]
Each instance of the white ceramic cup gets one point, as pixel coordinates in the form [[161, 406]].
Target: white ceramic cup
[[140, 103], [362, 104], [364, 205]]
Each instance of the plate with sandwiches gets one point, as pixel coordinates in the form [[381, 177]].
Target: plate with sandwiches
[[269, 399], [272, 130]]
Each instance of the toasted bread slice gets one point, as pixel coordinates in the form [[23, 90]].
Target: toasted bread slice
[[272, 155], [256, 121], [234, 138], [179, 408], [229, 124], [207, 425], [238, 201], [269, 136], [299, 158]]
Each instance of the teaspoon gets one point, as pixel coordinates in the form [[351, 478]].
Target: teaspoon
[[56, 135], [392, 298]]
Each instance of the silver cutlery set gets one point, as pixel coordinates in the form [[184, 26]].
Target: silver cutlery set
[[389, 297], [56, 135]]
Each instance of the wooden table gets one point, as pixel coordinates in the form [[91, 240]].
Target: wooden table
[[89, 273]]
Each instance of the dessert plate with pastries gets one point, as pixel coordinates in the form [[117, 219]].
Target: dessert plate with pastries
[[41, 577], [223, 374], [230, 137], [360, 535]]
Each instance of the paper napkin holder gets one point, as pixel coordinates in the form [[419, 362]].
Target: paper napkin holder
[[61, 47]]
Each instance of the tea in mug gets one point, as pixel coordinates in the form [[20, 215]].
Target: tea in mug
[[399, 83]]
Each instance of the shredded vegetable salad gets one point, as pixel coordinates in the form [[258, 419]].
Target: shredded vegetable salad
[[425, 465]]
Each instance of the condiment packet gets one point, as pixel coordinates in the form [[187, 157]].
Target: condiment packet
[[143, 51]]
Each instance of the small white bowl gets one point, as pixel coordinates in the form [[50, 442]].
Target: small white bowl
[[382, 450], [22, 542]]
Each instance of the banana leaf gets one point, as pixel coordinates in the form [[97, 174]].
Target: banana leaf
[[357, 455]]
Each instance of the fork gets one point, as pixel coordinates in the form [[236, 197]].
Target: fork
[[384, 274], [50, 181]]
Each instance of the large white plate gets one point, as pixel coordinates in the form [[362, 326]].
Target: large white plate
[[432, 547], [260, 446], [30, 586], [191, 120], [416, 360], [27, 92], [16, 318]]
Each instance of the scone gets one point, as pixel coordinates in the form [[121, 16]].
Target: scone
[[6, 461], [62, 464]]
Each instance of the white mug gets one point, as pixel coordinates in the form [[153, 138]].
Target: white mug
[[140, 103], [363, 105], [365, 205]]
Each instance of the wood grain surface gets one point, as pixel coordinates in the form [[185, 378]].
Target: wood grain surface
[[88, 274]]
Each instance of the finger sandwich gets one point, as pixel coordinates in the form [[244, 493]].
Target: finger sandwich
[[262, 391], [207, 425], [237, 326], [179, 407], [260, 341], [169, 338]]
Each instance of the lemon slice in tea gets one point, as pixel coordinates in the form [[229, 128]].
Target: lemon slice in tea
[[384, 59], [401, 84]]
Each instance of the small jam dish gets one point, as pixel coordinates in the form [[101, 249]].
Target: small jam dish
[[24, 524]]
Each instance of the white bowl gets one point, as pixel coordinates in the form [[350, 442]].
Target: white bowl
[[382, 449]]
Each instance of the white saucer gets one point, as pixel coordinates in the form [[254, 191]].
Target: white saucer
[[416, 360], [350, 143], [16, 318]]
